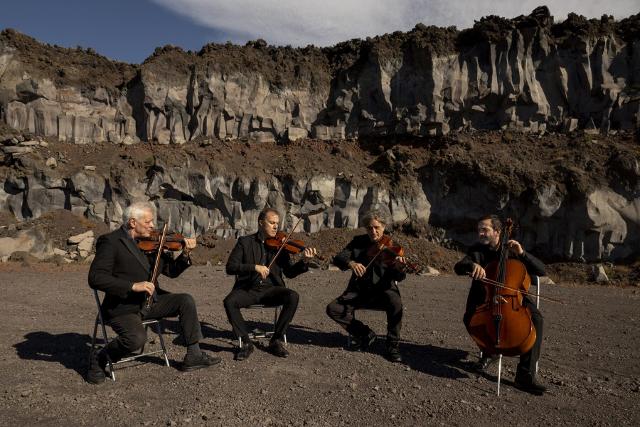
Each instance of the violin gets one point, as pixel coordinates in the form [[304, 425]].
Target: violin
[[502, 325], [171, 242], [386, 252], [292, 246]]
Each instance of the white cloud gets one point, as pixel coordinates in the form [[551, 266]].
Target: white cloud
[[326, 22]]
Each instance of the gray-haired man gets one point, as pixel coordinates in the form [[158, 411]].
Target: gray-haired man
[[122, 271]]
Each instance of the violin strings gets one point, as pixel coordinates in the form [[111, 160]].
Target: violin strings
[[501, 285]]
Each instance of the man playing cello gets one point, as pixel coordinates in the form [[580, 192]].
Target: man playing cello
[[479, 255]]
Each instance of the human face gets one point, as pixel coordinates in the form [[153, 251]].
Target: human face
[[487, 235], [269, 225], [375, 230], [143, 226]]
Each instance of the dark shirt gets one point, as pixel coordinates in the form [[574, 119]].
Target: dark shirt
[[250, 251], [377, 278], [483, 255]]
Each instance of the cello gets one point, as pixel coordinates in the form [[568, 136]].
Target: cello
[[502, 325]]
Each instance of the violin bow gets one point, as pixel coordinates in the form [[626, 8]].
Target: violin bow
[[154, 275], [286, 239]]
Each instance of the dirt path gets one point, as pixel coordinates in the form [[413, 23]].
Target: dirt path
[[589, 362]]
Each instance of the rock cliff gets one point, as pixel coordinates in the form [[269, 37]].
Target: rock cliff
[[524, 76]]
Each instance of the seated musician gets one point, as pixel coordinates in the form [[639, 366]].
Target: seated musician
[[479, 255], [372, 287], [122, 271], [259, 281]]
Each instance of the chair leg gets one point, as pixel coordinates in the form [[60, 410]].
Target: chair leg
[[164, 348], [93, 338], [105, 337], [499, 371], [240, 342]]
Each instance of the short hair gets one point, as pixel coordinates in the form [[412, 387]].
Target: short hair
[[375, 215], [136, 210], [264, 212], [496, 222]]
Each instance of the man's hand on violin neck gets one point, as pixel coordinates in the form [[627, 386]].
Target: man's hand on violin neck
[[147, 287], [477, 273], [309, 253], [263, 271], [357, 268]]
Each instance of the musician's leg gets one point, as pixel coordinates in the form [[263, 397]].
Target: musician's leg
[[237, 299], [526, 371], [276, 295], [183, 306], [342, 313], [476, 297], [392, 303], [131, 336], [527, 365]]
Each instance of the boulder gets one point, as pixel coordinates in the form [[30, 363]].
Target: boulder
[[78, 238]]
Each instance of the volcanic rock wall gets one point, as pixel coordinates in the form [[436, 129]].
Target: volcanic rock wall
[[526, 74]]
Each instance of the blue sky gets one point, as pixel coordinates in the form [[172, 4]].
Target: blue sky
[[130, 30]]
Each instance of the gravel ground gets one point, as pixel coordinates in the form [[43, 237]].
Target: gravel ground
[[589, 361]]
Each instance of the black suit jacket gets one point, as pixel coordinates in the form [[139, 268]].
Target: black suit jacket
[[247, 254], [119, 264]]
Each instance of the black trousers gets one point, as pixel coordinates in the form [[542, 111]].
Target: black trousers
[[342, 308], [132, 335], [527, 365], [269, 295]]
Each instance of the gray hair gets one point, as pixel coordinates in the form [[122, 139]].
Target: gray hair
[[375, 215], [136, 210]]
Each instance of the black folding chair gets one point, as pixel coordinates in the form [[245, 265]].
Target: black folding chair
[[256, 333], [154, 324]]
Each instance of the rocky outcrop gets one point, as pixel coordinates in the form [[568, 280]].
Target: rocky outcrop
[[589, 224], [526, 74]]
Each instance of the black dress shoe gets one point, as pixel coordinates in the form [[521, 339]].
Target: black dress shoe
[[203, 360], [528, 384], [363, 342], [276, 347], [483, 364], [96, 373], [393, 353], [245, 351]]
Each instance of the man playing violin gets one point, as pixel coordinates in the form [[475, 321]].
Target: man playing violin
[[122, 271], [372, 285], [479, 255], [259, 281]]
